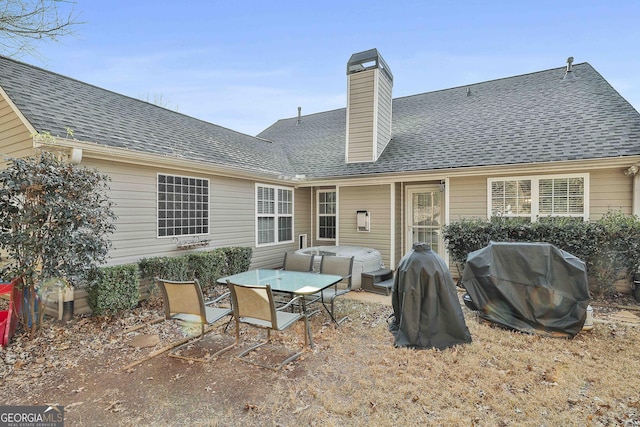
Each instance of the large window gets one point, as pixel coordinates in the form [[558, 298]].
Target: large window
[[183, 206], [274, 215], [326, 214], [533, 197]]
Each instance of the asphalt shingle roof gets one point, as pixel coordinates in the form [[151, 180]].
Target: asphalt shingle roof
[[537, 117], [52, 102]]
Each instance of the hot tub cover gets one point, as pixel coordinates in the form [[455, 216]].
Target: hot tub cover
[[427, 311], [530, 287]]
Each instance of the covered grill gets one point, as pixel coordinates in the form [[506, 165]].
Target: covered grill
[[530, 287], [427, 311]]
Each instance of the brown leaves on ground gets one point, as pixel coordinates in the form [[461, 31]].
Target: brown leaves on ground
[[354, 376]]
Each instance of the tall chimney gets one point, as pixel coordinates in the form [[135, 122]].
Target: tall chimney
[[369, 85]]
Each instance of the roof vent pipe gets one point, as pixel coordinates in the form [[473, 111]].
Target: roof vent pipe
[[568, 75], [468, 91], [299, 114]]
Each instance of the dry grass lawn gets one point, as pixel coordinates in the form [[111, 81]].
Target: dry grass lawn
[[354, 377]]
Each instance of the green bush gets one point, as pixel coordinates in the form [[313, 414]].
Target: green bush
[[238, 259], [206, 266], [170, 268], [113, 289], [609, 247]]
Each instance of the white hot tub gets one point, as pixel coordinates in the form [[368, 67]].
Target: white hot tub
[[364, 259]]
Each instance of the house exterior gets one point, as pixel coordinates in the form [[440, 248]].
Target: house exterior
[[380, 173]]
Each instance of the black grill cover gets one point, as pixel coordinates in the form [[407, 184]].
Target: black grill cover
[[530, 287], [427, 311]]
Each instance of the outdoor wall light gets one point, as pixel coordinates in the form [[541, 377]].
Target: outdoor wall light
[[363, 221], [631, 171]]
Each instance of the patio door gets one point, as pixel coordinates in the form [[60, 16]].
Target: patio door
[[425, 217]]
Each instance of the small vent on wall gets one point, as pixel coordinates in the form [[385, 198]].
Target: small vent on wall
[[302, 241]]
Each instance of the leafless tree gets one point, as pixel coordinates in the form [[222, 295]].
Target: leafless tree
[[158, 99], [24, 22]]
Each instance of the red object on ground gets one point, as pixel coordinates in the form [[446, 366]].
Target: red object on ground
[[9, 319]]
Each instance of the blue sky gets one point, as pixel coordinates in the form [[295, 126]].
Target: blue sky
[[243, 65]]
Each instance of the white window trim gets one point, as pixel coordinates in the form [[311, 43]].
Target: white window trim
[[158, 207], [276, 215], [318, 214], [535, 195]]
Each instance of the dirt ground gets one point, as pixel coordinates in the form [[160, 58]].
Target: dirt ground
[[354, 376]]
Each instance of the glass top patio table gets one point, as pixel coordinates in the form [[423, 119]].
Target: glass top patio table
[[294, 282]]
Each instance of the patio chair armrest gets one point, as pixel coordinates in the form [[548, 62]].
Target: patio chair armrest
[[217, 299], [288, 304]]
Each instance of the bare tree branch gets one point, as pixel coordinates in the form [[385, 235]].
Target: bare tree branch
[[23, 22]]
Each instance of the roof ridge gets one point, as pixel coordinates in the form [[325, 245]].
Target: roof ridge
[[492, 80]]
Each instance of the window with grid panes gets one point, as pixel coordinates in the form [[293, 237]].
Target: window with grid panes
[[183, 206], [539, 196], [326, 214], [274, 215]]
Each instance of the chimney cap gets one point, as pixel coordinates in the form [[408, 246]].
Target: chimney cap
[[368, 60]]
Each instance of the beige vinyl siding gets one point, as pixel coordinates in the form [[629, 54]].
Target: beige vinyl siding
[[610, 190], [15, 138], [384, 112], [376, 199], [467, 198], [134, 193], [360, 116], [303, 214]]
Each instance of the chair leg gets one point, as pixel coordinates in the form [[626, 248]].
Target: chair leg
[[173, 352], [307, 326], [332, 312], [307, 333]]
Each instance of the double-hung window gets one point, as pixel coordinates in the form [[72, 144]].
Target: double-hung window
[[534, 197], [326, 214], [183, 206], [274, 215]]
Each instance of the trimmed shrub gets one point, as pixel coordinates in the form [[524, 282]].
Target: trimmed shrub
[[207, 267], [238, 259], [609, 247], [170, 268], [113, 289]]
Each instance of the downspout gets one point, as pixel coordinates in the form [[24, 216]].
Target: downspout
[[313, 197], [635, 206], [337, 243], [447, 194], [392, 259], [402, 219], [632, 171]]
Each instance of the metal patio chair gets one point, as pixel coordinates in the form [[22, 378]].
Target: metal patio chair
[[297, 262], [341, 266], [183, 301], [254, 306]]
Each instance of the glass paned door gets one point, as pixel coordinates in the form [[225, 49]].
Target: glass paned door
[[425, 217]]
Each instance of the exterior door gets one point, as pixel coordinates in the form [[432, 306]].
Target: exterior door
[[425, 217]]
